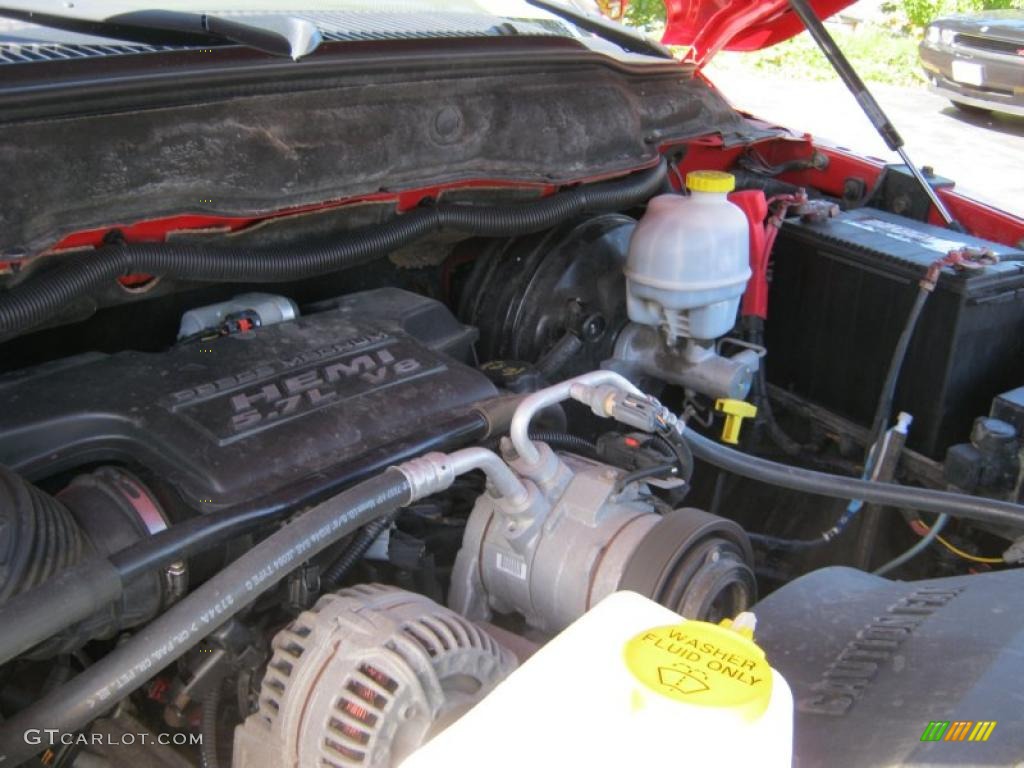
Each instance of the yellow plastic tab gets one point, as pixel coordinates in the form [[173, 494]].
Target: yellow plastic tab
[[735, 412], [702, 664], [747, 632], [710, 181]]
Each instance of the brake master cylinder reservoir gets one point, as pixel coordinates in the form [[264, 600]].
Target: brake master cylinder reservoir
[[631, 683], [689, 261]]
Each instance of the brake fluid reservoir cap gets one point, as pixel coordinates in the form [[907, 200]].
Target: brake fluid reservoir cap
[[704, 665], [710, 181]]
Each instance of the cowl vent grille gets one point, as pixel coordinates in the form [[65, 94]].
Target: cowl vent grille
[[23, 53], [335, 26]]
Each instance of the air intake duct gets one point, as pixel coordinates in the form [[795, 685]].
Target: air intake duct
[[95, 515], [40, 539]]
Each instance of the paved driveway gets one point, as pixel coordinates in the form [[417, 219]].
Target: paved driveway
[[983, 154]]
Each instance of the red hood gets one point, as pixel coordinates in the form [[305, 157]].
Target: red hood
[[708, 26]]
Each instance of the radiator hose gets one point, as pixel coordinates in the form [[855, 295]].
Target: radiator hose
[[39, 298]]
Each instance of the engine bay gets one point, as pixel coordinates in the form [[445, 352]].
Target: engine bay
[[305, 488]]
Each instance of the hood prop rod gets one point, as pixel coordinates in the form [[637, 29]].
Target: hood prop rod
[[867, 101]]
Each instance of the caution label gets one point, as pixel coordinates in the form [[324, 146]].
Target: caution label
[[703, 664]]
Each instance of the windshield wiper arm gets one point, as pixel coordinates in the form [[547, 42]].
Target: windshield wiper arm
[[279, 35], [622, 36]]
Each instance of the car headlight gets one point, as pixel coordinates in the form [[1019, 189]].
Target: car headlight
[[948, 36], [931, 35]]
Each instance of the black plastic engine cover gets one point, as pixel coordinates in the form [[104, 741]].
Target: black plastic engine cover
[[231, 419], [873, 662]]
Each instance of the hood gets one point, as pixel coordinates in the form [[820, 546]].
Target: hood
[[708, 26]]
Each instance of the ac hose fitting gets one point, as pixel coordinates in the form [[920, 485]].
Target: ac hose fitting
[[580, 537]]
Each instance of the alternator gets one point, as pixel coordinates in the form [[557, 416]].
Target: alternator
[[365, 677]]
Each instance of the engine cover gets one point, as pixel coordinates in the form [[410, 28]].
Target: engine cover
[[883, 671], [229, 420]]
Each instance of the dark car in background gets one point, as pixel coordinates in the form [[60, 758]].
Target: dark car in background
[[977, 60]]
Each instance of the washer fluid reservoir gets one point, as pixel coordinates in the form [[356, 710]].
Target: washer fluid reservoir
[[630, 683], [689, 260]]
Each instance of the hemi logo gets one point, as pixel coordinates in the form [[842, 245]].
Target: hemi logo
[[958, 730]]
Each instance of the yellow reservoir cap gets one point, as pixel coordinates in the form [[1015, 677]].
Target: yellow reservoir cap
[[704, 665], [710, 181]]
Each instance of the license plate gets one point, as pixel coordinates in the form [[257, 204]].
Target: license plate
[[968, 73]]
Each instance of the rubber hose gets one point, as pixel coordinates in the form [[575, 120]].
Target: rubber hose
[[185, 624], [836, 486], [209, 714], [363, 541], [39, 297], [78, 592], [204, 532]]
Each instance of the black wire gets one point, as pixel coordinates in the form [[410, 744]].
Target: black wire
[[640, 474], [209, 715], [355, 551], [684, 456], [879, 425], [38, 299], [775, 542], [883, 411], [566, 441], [718, 493]]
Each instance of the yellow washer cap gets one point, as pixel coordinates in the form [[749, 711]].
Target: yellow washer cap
[[710, 181], [704, 665]]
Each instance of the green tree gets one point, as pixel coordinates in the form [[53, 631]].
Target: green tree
[[920, 12], [645, 14]]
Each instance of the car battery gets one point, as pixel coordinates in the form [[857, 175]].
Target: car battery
[[841, 291]]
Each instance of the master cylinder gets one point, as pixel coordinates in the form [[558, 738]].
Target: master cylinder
[[583, 534], [687, 269]]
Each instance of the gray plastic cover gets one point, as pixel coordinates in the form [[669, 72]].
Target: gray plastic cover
[[873, 662]]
